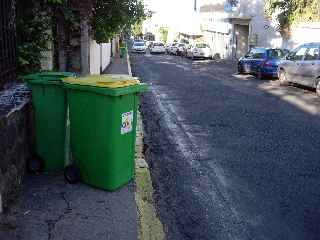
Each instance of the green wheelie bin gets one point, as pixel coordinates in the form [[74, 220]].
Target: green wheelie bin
[[49, 106], [123, 51], [103, 116]]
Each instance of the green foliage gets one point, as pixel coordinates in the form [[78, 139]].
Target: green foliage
[[36, 21], [113, 16], [137, 29], [33, 24], [164, 34], [290, 12]]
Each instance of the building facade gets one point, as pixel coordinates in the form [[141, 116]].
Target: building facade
[[232, 27]]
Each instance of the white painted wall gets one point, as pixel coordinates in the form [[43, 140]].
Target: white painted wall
[[304, 33], [100, 55], [220, 30], [106, 55], [114, 46], [47, 58]]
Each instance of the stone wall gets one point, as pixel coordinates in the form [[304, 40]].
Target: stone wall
[[15, 140]]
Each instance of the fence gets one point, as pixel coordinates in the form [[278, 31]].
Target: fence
[[7, 42]]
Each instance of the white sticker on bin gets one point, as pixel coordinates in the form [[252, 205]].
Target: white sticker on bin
[[126, 122]]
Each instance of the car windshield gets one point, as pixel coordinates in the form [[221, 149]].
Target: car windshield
[[275, 54], [256, 53], [202, 45], [158, 44], [139, 44], [181, 45]]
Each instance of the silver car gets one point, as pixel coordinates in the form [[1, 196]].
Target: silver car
[[139, 47], [302, 66]]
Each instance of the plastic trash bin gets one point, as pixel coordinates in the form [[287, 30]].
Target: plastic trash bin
[[103, 115], [123, 51], [49, 106]]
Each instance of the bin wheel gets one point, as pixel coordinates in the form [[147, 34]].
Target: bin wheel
[[35, 165], [71, 174]]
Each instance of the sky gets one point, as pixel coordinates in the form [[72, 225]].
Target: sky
[[177, 14], [170, 8]]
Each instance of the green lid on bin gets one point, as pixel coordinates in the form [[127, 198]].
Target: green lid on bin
[[48, 77]]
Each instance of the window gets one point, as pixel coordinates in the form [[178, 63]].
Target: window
[[312, 54], [258, 53], [249, 55], [275, 54], [158, 44], [139, 44], [299, 54]]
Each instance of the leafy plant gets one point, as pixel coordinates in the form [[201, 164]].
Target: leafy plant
[[289, 12], [33, 25], [164, 34], [137, 29], [113, 16], [37, 20]]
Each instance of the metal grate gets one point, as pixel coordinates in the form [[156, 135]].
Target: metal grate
[[7, 42]]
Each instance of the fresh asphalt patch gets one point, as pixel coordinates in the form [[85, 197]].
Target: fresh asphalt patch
[[231, 156]]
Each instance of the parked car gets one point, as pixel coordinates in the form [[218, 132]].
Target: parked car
[[199, 50], [168, 46], [262, 62], [157, 47], [302, 66], [173, 48], [149, 44], [139, 47], [188, 51], [181, 49]]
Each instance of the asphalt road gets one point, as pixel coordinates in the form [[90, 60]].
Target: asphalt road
[[231, 157]]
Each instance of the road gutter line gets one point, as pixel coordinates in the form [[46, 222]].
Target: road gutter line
[[149, 225]]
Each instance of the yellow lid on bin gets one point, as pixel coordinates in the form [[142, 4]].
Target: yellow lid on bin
[[104, 81]]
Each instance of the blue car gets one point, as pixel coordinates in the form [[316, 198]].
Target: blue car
[[262, 62]]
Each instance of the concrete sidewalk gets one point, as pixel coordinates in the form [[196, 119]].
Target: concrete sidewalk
[[50, 208], [118, 66]]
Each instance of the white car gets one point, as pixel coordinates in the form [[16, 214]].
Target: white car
[[157, 47], [199, 50], [139, 47], [168, 47], [181, 49], [174, 48]]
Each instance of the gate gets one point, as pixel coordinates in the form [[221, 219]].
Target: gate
[[8, 61]]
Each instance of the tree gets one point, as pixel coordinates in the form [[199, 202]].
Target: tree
[[137, 29], [289, 12], [33, 24], [42, 21], [113, 16], [164, 34]]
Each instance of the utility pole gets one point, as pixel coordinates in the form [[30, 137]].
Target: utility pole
[[195, 5]]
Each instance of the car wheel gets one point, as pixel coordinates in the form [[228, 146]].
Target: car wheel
[[283, 78], [240, 70], [260, 75], [318, 88]]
